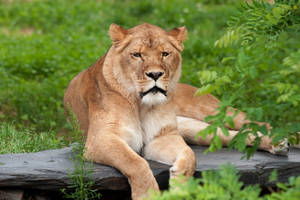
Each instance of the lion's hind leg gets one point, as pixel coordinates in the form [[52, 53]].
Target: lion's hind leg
[[189, 128], [297, 145]]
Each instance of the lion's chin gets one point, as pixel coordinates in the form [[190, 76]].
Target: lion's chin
[[152, 99]]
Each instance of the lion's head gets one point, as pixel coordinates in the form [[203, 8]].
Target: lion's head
[[147, 61]]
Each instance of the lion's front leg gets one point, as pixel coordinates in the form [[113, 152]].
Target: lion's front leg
[[171, 149], [106, 147]]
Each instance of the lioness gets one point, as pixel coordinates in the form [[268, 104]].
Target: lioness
[[131, 106]]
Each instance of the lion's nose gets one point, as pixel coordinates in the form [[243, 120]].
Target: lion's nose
[[154, 75]]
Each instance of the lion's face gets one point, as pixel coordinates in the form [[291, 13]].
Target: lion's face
[[149, 60]]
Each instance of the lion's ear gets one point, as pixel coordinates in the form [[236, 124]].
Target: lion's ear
[[179, 34], [117, 33]]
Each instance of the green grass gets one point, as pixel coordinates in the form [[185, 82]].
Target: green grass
[[26, 140]]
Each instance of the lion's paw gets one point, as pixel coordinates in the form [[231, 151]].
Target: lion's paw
[[281, 149], [174, 172], [185, 167]]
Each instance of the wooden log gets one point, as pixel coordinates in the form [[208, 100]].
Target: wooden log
[[48, 170]]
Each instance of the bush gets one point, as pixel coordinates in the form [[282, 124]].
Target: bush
[[259, 71], [224, 184]]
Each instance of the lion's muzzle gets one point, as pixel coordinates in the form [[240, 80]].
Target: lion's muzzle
[[153, 90]]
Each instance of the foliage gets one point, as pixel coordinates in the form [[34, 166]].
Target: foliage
[[224, 184], [219, 1], [259, 74], [81, 177], [289, 191]]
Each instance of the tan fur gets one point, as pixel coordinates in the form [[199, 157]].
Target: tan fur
[[124, 123]]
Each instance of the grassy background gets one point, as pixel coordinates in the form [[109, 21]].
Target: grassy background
[[44, 43]]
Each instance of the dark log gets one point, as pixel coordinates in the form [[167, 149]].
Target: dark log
[[49, 170]]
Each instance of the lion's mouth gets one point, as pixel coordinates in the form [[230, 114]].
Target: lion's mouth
[[153, 90]]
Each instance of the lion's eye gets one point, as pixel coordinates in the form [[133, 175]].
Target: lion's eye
[[165, 54], [138, 55]]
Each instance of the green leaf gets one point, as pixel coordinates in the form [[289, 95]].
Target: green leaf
[[274, 175], [218, 142], [229, 120], [224, 130], [204, 90]]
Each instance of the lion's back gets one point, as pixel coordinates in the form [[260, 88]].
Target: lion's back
[[75, 103]]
